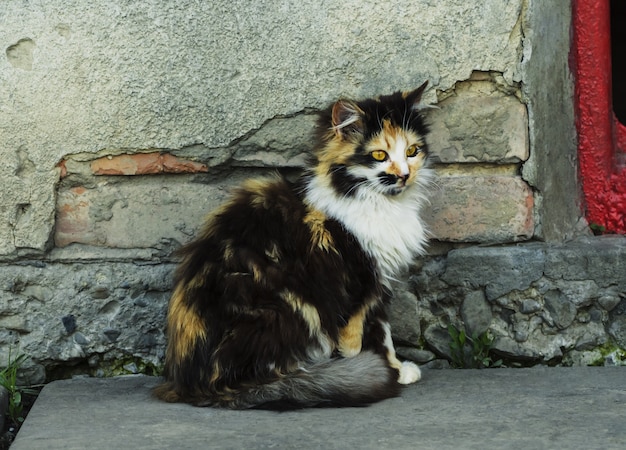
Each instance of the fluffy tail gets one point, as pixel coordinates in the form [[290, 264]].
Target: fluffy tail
[[358, 381]]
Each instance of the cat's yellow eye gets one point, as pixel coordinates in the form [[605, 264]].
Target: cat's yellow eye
[[379, 155], [412, 150]]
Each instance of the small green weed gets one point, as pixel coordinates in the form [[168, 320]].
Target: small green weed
[[471, 352], [610, 352], [8, 379], [597, 229]]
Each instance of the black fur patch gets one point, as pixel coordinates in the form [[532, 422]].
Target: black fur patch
[[344, 183], [388, 179]]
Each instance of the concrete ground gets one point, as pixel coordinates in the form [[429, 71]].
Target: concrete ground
[[539, 408]]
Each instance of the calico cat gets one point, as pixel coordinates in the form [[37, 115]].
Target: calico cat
[[279, 302]]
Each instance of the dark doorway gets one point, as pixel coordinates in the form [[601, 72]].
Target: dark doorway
[[618, 58]]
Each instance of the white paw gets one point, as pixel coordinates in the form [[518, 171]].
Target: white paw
[[409, 373]]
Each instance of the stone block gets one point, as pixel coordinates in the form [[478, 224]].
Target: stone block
[[476, 313], [404, 318], [25, 219], [600, 259], [498, 269], [541, 308], [562, 311], [482, 208], [144, 211], [479, 123], [140, 212], [617, 328], [415, 354]]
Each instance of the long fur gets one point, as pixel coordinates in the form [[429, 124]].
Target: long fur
[[279, 301], [357, 381]]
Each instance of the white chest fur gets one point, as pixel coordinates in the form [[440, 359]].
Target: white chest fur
[[388, 227]]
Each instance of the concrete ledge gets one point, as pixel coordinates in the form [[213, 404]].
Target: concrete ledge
[[500, 408]]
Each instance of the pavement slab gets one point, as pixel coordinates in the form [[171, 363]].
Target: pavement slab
[[536, 408]]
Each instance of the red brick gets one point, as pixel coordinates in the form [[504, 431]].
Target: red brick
[[144, 164], [172, 164], [62, 169]]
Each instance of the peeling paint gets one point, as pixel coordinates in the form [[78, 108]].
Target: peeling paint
[[600, 135]]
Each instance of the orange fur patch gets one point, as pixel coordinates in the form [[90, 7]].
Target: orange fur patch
[[167, 392], [229, 253], [257, 188], [321, 237], [185, 327], [337, 151], [351, 336]]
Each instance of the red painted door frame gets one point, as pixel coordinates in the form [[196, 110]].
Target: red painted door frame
[[601, 138]]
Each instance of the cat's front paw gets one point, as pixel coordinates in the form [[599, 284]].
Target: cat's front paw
[[409, 373]]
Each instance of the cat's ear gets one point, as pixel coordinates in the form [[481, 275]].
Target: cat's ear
[[414, 98], [347, 118]]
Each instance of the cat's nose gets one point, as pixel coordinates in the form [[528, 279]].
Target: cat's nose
[[403, 178]]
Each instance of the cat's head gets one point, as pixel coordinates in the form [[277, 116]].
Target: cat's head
[[376, 145]]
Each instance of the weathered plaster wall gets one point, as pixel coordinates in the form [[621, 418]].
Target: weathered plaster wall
[[147, 75]]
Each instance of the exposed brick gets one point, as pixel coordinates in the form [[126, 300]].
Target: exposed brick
[[144, 211], [486, 209], [62, 168], [172, 164], [145, 164], [138, 212], [72, 217]]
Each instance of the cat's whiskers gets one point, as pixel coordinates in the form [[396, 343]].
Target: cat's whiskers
[[366, 183], [404, 119]]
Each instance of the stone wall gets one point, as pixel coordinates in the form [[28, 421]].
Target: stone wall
[[541, 303], [122, 124]]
